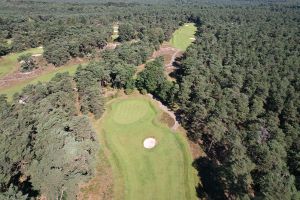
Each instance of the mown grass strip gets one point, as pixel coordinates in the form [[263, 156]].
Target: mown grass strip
[[184, 36]]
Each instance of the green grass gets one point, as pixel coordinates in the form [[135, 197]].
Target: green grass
[[9, 62], [9, 41], [182, 38], [164, 172], [115, 35], [11, 90]]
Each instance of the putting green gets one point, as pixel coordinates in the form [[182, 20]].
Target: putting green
[[164, 172], [184, 36], [134, 110], [9, 62]]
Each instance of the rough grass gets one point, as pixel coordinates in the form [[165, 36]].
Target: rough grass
[[11, 90], [9, 63], [100, 186], [164, 172], [182, 37]]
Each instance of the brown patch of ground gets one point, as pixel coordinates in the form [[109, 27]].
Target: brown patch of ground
[[167, 119], [167, 111], [100, 187], [110, 93], [139, 69], [112, 45], [169, 54], [43, 68], [195, 147]]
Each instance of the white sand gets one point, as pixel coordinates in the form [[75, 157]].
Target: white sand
[[149, 143], [37, 55]]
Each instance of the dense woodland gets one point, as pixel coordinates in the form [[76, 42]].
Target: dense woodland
[[237, 93], [65, 34], [46, 147]]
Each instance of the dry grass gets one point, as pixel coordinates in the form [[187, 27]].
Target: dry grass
[[167, 119], [101, 185]]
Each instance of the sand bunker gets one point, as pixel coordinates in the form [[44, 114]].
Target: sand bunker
[[149, 143]]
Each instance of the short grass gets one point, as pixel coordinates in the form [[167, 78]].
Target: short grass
[[184, 36], [164, 172], [115, 34], [9, 41], [11, 90], [9, 62]]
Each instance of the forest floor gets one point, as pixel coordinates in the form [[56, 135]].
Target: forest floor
[[164, 172]]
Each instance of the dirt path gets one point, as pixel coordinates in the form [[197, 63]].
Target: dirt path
[[169, 54], [18, 77], [168, 111], [172, 59]]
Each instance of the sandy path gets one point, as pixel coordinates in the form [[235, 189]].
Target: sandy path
[[170, 64]]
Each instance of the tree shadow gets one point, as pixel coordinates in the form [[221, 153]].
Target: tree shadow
[[211, 187], [177, 65], [25, 186]]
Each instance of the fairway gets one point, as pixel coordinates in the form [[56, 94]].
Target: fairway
[[164, 172], [184, 36], [9, 62], [115, 34], [11, 90]]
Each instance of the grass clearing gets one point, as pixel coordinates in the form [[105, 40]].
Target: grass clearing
[[184, 36], [9, 63], [9, 41], [164, 172], [115, 34], [10, 91]]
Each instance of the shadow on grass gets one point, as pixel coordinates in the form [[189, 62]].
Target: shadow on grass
[[211, 187]]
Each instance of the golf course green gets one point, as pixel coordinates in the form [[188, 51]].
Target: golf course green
[[184, 36], [163, 172], [9, 62]]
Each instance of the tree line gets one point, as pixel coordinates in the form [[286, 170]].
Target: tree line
[[237, 94], [239, 98]]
